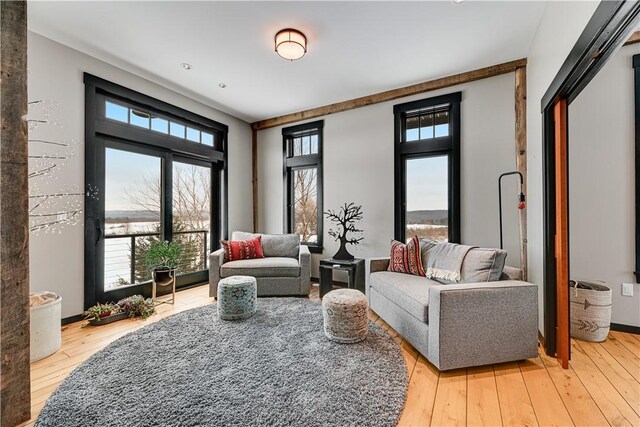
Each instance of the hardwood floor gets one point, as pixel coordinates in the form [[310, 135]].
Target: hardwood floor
[[600, 388]]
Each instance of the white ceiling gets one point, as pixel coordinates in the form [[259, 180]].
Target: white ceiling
[[355, 48]]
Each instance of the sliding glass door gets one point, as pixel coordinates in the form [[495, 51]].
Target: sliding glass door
[[132, 216], [153, 173], [192, 209], [151, 196]]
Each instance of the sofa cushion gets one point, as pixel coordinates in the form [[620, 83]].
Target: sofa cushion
[[407, 291], [479, 265], [406, 258], [425, 246], [511, 273], [262, 267], [274, 245], [242, 249]]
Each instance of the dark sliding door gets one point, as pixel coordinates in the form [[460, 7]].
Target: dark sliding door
[[153, 173]]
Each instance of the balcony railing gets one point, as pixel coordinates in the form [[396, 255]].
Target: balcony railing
[[125, 255]]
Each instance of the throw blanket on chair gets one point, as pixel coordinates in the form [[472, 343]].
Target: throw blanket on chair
[[445, 261]]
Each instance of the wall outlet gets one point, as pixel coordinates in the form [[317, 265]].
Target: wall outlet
[[627, 289]]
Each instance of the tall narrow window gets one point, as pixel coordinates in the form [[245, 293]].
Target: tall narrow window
[[427, 169], [303, 182]]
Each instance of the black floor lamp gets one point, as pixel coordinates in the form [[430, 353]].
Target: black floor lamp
[[521, 198]]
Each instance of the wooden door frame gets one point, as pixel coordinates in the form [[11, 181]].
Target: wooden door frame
[[609, 28]]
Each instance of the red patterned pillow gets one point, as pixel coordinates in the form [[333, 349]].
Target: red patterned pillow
[[245, 249], [406, 258]]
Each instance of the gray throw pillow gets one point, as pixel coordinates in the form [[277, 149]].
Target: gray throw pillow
[[425, 246], [483, 265], [479, 265], [274, 245]]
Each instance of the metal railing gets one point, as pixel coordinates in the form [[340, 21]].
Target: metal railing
[[121, 252]]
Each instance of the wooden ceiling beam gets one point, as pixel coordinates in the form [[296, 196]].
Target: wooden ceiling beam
[[635, 38], [431, 85]]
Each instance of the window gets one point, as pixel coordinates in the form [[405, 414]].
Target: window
[[303, 182], [427, 169], [124, 112], [153, 172]]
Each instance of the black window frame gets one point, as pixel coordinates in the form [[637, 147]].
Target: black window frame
[[306, 161], [636, 82], [432, 147], [102, 133]]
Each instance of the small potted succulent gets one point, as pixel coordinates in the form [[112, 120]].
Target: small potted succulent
[[163, 259], [102, 314], [133, 306], [137, 306]]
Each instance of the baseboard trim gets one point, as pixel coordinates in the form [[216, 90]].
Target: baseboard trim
[[625, 328], [72, 319]]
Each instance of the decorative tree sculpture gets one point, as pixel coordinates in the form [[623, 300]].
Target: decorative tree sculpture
[[345, 221]]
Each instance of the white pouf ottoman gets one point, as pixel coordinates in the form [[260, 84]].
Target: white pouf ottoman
[[237, 297], [345, 316]]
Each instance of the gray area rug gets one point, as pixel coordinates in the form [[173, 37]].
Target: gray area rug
[[276, 368]]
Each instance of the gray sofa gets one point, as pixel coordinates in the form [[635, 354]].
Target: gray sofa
[[285, 269], [458, 325]]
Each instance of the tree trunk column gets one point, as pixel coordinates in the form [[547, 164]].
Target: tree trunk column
[[15, 394]]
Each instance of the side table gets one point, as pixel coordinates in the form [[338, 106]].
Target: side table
[[354, 268]]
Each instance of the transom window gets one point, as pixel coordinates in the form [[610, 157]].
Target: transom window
[[303, 182], [120, 112], [427, 169], [427, 123]]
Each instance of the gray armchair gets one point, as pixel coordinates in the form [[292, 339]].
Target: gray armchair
[[285, 269]]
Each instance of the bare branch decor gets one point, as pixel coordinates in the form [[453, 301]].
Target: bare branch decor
[[345, 222], [49, 211]]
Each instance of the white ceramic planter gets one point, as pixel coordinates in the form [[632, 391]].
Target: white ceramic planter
[[46, 332]]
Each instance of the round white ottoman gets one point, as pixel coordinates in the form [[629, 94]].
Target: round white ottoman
[[345, 316], [237, 297]]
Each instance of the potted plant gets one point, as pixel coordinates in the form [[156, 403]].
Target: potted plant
[[102, 314], [162, 260], [133, 306], [137, 306]]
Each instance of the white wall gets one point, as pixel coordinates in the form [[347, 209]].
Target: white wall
[[602, 184], [358, 167], [56, 74], [559, 29]]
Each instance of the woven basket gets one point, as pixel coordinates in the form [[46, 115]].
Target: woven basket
[[590, 310]]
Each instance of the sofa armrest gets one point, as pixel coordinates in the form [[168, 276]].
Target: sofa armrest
[[216, 259], [377, 264], [476, 324], [371, 266], [304, 258]]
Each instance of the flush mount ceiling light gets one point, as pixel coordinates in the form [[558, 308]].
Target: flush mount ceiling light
[[290, 44]]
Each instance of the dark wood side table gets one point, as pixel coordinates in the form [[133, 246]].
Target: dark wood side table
[[355, 269]]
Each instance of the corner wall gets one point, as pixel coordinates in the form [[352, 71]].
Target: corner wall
[[56, 75], [559, 29], [602, 183], [358, 167]]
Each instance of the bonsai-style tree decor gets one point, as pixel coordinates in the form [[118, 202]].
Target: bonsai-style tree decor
[[345, 221]]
